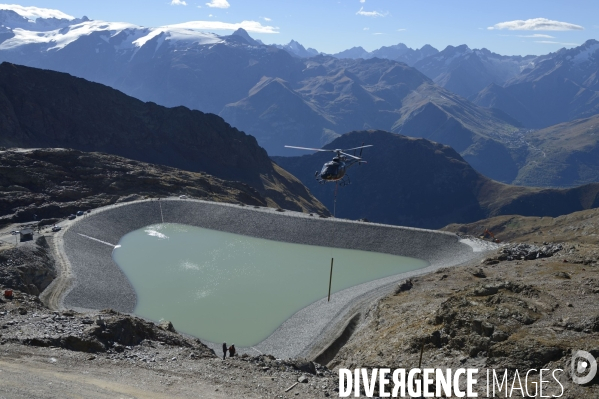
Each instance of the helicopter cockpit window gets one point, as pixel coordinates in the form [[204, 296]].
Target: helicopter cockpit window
[[330, 168]]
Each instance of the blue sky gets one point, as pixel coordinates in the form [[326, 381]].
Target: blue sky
[[518, 27]]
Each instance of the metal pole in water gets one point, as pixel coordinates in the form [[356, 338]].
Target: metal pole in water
[[330, 280]]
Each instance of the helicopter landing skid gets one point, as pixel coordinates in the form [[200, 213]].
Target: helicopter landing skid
[[345, 181]]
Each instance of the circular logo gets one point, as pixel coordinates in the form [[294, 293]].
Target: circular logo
[[584, 367]]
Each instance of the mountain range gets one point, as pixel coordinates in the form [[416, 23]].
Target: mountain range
[[536, 91], [278, 98], [398, 52], [557, 88], [287, 95]]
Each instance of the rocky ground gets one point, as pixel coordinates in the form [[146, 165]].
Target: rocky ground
[[38, 184], [29, 269], [106, 354], [525, 306], [500, 314]]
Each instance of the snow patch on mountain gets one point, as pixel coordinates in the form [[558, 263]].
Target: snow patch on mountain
[[60, 38], [33, 13], [179, 35], [585, 53], [296, 49], [131, 36]]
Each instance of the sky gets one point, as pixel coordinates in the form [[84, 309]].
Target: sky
[[505, 27]]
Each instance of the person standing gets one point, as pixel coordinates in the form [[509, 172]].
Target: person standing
[[224, 350], [232, 350]]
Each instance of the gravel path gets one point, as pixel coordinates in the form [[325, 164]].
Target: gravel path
[[98, 283]]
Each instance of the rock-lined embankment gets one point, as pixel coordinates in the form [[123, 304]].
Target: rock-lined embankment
[[99, 283]]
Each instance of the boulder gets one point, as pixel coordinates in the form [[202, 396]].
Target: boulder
[[403, 286], [303, 365], [167, 326]]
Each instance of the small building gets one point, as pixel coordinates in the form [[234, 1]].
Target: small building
[[26, 235]]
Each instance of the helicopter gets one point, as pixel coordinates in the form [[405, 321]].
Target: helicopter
[[335, 170]]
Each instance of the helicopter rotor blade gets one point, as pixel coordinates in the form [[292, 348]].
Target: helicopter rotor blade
[[309, 149], [351, 156], [357, 148]]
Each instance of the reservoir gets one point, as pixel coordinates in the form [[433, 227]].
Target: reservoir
[[225, 287]]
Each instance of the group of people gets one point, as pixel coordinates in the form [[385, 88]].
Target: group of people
[[231, 350]]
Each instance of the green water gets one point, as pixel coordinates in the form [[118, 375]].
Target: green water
[[225, 287]]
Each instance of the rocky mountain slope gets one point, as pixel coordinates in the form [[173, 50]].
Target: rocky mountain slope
[[41, 108], [556, 88], [416, 182], [53, 183], [581, 227], [566, 154], [466, 71]]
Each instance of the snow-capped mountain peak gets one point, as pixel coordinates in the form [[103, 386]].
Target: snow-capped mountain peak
[[296, 49], [11, 19], [585, 52], [33, 13], [57, 39]]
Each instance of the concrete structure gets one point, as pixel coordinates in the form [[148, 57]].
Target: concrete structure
[[96, 282], [26, 235]]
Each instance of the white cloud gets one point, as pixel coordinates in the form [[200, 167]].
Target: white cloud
[[250, 26], [537, 36], [266, 19], [560, 43], [178, 3], [535, 24], [401, 30], [366, 28], [370, 13], [35, 12], [218, 4], [378, 33], [362, 1]]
